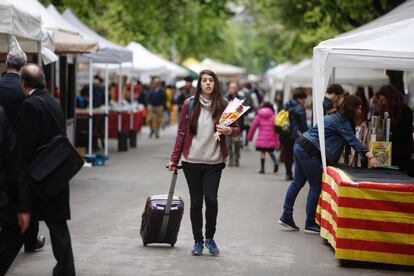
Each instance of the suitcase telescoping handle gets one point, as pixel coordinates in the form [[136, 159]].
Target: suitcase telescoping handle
[[167, 210]]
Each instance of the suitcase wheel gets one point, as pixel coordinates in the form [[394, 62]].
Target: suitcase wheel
[[145, 244], [172, 244]]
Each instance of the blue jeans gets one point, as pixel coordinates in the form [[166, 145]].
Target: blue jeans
[[306, 168]]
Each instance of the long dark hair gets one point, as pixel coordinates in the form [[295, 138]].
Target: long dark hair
[[348, 108], [218, 103], [394, 101]]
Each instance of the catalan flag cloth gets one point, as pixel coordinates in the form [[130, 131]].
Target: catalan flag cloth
[[366, 221]]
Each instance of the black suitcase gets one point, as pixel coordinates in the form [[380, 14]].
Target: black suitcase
[[162, 216]]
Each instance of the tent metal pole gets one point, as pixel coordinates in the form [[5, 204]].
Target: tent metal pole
[[106, 110], [131, 96], [90, 108], [120, 98], [39, 53]]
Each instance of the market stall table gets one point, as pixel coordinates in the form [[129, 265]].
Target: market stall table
[[368, 215], [138, 120]]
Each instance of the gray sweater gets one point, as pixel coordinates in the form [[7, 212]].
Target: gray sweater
[[204, 148]]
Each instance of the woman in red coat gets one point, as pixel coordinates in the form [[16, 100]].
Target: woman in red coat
[[203, 156]]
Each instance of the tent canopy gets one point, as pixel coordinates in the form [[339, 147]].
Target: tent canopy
[[302, 74], [388, 47], [222, 68], [23, 30], [109, 52], [66, 40], [18, 22], [147, 63]]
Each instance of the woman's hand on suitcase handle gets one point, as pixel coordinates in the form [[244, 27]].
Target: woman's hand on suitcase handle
[[172, 167]]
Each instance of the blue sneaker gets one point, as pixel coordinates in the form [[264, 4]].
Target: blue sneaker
[[212, 247], [197, 249]]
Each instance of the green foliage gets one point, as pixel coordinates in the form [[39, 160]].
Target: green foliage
[[265, 33]]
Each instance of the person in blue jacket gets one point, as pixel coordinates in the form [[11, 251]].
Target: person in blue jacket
[[298, 125], [339, 130]]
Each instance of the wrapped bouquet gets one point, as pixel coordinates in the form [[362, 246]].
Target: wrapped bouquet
[[234, 110]]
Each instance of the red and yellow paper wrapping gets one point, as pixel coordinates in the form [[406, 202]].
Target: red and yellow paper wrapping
[[367, 221]]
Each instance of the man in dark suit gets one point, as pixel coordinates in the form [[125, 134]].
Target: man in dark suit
[[35, 127], [11, 97], [14, 199]]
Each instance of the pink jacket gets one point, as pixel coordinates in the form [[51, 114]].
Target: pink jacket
[[267, 137]]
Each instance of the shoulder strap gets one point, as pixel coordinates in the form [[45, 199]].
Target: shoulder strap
[[51, 113], [190, 107]]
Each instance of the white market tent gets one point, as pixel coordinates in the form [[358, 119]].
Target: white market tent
[[147, 63], [67, 40], [276, 76], [109, 52], [222, 69], [15, 21], [144, 58], [389, 46], [23, 29], [302, 73]]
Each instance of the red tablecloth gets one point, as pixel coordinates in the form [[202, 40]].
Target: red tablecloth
[[367, 221], [113, 122]]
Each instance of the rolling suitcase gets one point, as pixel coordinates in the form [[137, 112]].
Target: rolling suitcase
[[162, 216]]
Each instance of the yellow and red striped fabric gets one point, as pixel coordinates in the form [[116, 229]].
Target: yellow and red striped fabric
[[367, 221]]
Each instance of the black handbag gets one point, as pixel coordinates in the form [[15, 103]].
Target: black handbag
[[54, 164]]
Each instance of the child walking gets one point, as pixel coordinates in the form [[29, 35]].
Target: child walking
[[267, 139]]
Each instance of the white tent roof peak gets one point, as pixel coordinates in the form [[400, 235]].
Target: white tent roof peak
[[49, 21], [401, 12], [59, 19], [18, 22], [144, 57], [109, 51], [222, 68]]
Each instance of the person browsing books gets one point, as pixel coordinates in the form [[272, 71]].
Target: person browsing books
[[203, 157], [339, 130]]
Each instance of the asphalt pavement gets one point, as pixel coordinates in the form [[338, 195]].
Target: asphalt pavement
[[107, 203]]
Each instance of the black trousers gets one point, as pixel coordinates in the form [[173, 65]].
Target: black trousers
[[61, 247], [32, 233], [203, 182], [11, 242]]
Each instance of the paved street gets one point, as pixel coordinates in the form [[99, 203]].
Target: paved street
[[107, 203]]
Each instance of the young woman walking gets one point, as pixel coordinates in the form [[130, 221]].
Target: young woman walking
[[203, 157]]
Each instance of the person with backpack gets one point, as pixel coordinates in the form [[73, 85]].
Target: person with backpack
[[267, 139], [297, 126], [203, 157], [156, 103]]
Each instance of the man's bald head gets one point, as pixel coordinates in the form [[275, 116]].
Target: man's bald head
[[32, 77]]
